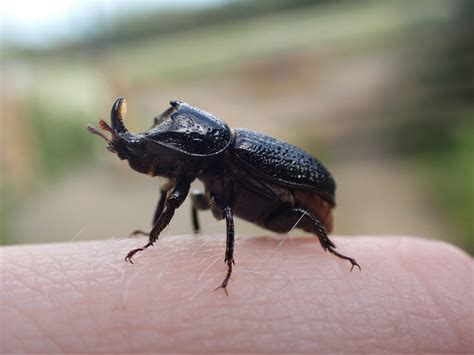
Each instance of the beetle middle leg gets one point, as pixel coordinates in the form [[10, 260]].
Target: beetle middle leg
[[199, 201], [229, 247], [172, 202]]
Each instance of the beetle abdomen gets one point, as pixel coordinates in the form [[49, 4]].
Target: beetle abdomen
[[282, 162]]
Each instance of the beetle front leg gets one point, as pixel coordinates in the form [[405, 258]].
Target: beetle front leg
[[163, 116], [158, 211], [172, 202], [229, 248]]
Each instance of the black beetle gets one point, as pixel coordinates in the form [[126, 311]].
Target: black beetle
[[255, 177]]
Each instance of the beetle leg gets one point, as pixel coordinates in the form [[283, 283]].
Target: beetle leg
[[326, 243], [160, 206], [172, 202], [163, 116], [158, 211], [199, 201], [229, 247], [136, 232]]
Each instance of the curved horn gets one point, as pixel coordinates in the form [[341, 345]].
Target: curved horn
[[119, 111]]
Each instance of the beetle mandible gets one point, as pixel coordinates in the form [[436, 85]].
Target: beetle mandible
[[245, 173]]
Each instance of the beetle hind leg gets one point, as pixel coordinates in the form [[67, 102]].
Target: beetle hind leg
[[326, 243], [287, 219], [351, 260]]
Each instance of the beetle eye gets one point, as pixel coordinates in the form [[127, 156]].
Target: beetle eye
[[135, 145]]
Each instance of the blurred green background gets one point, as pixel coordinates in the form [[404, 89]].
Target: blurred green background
[[380, 91]]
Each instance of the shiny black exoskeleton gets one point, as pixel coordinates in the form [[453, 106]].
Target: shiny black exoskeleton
[[247, 174]]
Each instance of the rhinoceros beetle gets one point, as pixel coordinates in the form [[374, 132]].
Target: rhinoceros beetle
[[245, 173]]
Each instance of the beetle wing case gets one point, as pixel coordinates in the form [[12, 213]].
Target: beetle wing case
[[192, 131], [279, 161]]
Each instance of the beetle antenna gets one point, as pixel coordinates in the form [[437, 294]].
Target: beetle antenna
[[95, 131], [104, 126]]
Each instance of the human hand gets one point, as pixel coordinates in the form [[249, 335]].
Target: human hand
[[412, 295]]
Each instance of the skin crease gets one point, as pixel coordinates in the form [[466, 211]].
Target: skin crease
[[412, 295]]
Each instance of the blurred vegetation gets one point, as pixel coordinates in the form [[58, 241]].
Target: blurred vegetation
[[151, 25], [432, 113], [103, 34], [6, 210], [436, 124], [60, 145]]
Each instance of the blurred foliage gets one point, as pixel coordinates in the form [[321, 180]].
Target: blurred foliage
[[7, 207], [59, 141], [436, 125], [134, 55], [58, 147], [172, 21], [154, 24]]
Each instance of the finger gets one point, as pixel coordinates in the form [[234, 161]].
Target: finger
[[412, 295]]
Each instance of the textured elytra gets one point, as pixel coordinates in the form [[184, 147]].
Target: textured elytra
[[283, 162]]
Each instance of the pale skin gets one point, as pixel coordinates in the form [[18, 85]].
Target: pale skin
[[412, 295]]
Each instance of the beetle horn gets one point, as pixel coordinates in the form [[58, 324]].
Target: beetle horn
[[119, 111]]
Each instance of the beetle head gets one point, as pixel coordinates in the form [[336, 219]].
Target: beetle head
[[127, 145], [176, 144]]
